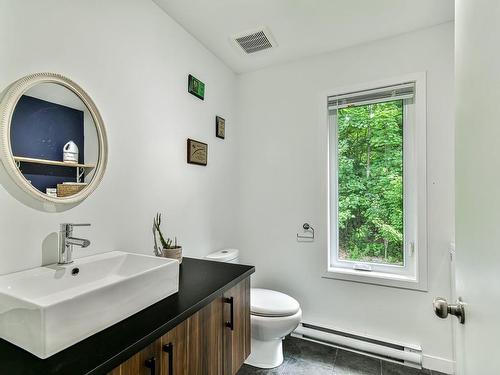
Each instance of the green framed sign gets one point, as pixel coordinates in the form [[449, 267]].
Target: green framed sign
[[196, 87]]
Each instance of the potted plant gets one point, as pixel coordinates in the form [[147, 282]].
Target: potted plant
[[169, 248]]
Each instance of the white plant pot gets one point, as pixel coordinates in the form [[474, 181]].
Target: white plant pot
[[175, 253]]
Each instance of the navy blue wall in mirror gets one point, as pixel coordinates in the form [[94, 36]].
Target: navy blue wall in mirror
[[40, 129]]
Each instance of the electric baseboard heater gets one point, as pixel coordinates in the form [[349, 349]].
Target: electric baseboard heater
[[409, 355]]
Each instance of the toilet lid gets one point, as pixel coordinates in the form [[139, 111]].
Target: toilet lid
[[267, 302], [224, 255]]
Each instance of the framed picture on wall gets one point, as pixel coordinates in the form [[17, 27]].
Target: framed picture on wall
[[196, 87], [220, 127], [197, 152]]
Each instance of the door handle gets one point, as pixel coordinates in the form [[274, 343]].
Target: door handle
[[151, 364], [169, 349], [230, 324], [442, 309]]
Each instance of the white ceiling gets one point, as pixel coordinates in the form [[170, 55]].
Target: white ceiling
[[301, 27]]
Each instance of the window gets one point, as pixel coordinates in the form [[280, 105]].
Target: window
[[377, 186]]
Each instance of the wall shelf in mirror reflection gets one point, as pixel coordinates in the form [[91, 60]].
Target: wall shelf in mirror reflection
[[41, 114], [65, 190], [53, 162]]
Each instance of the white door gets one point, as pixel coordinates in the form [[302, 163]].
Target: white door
[[477, 148]]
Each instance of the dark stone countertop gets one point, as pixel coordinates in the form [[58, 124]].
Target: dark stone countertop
[[200, 282]]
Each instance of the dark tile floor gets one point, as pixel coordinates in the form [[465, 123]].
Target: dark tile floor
[[305, 357]]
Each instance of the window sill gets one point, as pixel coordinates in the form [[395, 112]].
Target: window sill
[[376, 278]]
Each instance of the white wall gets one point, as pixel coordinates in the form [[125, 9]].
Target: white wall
[[282, 171], [133, 60]]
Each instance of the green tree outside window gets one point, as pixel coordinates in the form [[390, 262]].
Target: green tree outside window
[[370, 183]]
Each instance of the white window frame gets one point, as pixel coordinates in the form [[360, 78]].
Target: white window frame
[[413, 275]]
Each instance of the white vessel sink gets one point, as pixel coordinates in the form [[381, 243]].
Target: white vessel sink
[[47, 309]]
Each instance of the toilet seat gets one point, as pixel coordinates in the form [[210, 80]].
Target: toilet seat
[[270, 303]]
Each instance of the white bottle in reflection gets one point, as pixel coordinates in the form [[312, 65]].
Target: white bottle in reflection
[[70, 152]]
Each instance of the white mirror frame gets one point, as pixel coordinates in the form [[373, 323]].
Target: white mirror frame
[[8, 101]]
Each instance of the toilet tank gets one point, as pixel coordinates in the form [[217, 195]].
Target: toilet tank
[[225, 255]]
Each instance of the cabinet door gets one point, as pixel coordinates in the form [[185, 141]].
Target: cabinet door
[[146, 362], [116, 371], [237, 333], [204, 340], [174, 351]]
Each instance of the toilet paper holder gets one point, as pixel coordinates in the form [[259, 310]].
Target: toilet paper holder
[[307, 228]]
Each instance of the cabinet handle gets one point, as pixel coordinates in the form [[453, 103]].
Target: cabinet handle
[[230, 324], [151, 364], [169, 349]]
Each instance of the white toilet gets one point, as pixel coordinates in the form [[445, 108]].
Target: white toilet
[[273, 316]]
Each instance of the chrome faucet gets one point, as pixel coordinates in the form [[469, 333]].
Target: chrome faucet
[[67, 241]]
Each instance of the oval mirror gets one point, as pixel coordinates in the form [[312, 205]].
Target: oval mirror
[[52, 139]]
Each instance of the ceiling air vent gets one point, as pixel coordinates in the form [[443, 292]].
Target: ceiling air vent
[[255, 40]]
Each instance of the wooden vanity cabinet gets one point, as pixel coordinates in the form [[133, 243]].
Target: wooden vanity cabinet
[[174, 351], [237, 339], [213, 341], [205, 331], [146, 362]]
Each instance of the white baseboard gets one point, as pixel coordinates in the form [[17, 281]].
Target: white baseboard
[[438, 364]]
